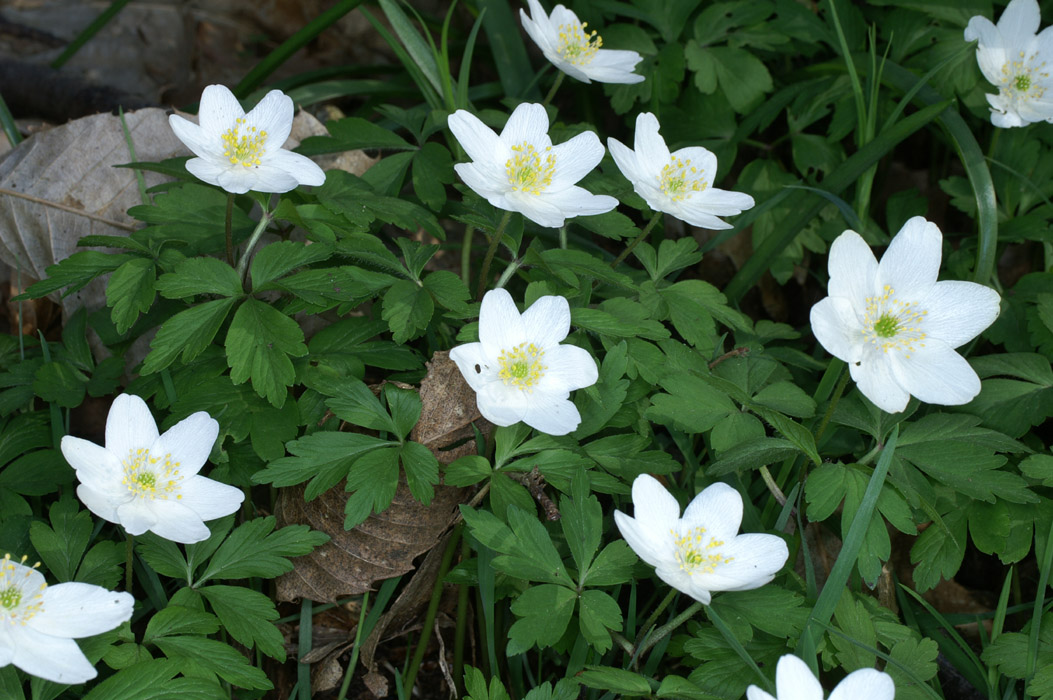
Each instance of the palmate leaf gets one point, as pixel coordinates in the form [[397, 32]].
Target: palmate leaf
[[248, 616], [256, 549], [259, 343], [186, 334]]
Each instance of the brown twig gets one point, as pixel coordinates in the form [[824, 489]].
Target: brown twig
[[535, 483], [737, 352]]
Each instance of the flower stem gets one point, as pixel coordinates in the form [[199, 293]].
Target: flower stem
[[838, 390], [128, 561], [636, 241], [490, 252], [243, 261], [552, 91], [563, 237], [667, 629], [507, 274], [230, 229], [654, 616], [466, 255]]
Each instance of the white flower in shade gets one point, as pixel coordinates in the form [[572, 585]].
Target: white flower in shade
[[519, 370], [681, 183], [701, 552], [794, 681], [242, 152], [895, 325], [38, 622], [145, 481], [521, 170], [1017, 60], [573, 49]]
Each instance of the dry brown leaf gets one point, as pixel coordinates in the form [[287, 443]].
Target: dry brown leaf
[[385, 545]]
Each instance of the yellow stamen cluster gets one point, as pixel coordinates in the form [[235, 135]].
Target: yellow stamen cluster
[[679, 179], [1021, 79], [243, 149], [695, 557], [522, 366], [891, 324], [151, 477], [527, 171], [14, 605], [578, 45]]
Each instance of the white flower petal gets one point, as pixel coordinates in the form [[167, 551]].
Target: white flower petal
[[129, 426], [274, 116], [193, 136], [865, 684], [189, 442], [490, 188], [673, 574], [872, 373], [575, 159], [755, 558], [304, 170], [1019, 22], [795, 681], [755, 693], [136, 516], [81, 610], [92, 463], [981, 28], [208, 498], [178, 523], [7, 646], [651, 151], [552, 414], [51, 658], [575, 201], [547, 321], [260, 178], [478, 140], [528, 124], [717, 508], [501, 405], [625, 159], [957, 312], [103, 503], [639, 537], [655, 506], [218, 110], [615, 66], [206, 170], [837, 328], [696, 216], [853, 270], [935, 373], [476, 368], [500, 325], [719, 202], [912, 261], [569, 368]]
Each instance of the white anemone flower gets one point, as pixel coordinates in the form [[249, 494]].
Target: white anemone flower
[[895, 325], [794, 681], [521, 170], [518, 369], [573, 49], [38, 622], [1017, 60], [702, 551], [680, 183], [146, 481], [242, 152]]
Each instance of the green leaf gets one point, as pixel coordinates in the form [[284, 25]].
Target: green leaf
[[60, 383], [691, 405], [62, 545], [582, 520], [743, 78], [938, 552], [152, 679], [612, 566], [323, 457], [612, 224], [75, 272], [254, 549], [248, 616], [793, 431], [195, 276], [186, 334], [37, 473], [101, 565], [405, 407], [770, 609], [350, 134], [259, 343], [682, 689], [568, 264], [130, 292], [786, 397], [467, 470], [353, 402], [176, 619], [280, 258], [544, 613], [616, 680], [432, 171], [598, 613], [217, 657], [194, 214], [475, 684], [448, 290], [533, 556], [163, 556], [407, 309], [422, 470], [373, 480]]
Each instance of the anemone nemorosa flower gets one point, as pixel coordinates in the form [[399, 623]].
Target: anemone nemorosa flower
[[794, 681]]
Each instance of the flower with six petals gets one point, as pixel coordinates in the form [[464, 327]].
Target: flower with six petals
[[1017, 60], [895, 325], [702, 551], [519, 370], [521, 170], [572, 48], [241, 152], [38, 622], [794, 681], [679, 183], [146, 481]]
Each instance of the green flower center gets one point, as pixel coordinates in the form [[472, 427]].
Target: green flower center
[[1022, 82], [10, 598], [14, 578], [522, 366], [886, 326], [679, 179], [151, 477], [243, 149], [527, 171], [576, 44], [694, 555], [893, 324]]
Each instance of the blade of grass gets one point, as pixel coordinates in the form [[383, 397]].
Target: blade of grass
[[427, 90], [1044, 555], [735, 644], [906, 670], [303, 670], [88, 32], [415, 45], [461, 101], [846, 559], [7, 121], [509, 53], [837, 181], [280, 55]]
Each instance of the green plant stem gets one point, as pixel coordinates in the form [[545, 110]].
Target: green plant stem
[[129, 560], [1045, 564], [563, 237], [735, 644], [667, 629], [433, 607], [243, 261], [90, 31], [305, 643], [491, 251], [7, 121], [507, 274], [636, 241], [460, 631], [466, 256], [654, 616], [230, 228], [838, 391], [773, 487], [552, 90], [346, 685]]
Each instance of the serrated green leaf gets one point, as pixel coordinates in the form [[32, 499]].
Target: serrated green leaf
[[62, 545], [60, 383], [195, 276], [617, 680], [449, 290], [353, 402], [280, 258], [432, 171], [259, 343], [322, 455], [255, 549], [350, 134], [407, 309], [544, 613], [217, 657], [465, 471], [248, 616], [74, 272], [597, 614], [422, 470], [186, 334], [372, 481], [581, 520], [176, 619], [130, 292]]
